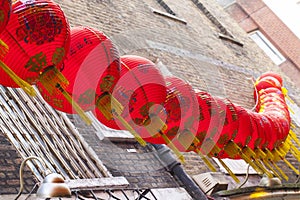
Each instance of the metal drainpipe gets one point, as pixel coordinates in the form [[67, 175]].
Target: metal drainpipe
[[176, 169]]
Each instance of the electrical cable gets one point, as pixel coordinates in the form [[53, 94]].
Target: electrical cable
[[246, 178]]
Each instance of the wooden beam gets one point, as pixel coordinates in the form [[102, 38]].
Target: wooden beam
[[97, 183]]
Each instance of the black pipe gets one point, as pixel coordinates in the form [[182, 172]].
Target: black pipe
[[177, 170]]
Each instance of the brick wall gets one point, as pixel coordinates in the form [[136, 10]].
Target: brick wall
[[288, 67], [191, 51], [10, 162], [255, 15], [142, 168]]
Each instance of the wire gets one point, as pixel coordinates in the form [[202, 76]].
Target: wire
[[21, 173], [111, 196], [77, 196], [31, 190], [256, 93], [246, 178], [94, 195], [298, 178]]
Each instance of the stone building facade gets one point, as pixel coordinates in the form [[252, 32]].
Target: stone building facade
[[194, 40]]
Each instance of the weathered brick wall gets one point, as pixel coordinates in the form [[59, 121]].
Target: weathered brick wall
[[289, 68], [126, 20], [10, 162], [142, 168], [243, 19], [191, 51]]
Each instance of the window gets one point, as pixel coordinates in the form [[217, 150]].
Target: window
[[226, 3], [267, 47]]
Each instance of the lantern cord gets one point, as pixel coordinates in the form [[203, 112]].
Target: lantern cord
[[31, 191], [20, 82], [54, 81], [158, 126], [256, 93], [229, 170], [263, 157], [270, 158], [267, 164], [173, 147], [131, 130], [206, 161], [77, 108]]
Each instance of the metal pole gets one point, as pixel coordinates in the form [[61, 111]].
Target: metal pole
[[176, 169]]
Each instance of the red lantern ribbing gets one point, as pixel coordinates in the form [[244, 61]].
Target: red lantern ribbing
[[92, 68], [182, 120], [140, 86], [178, 114], [5, 11], [38, 37], [130, 93]]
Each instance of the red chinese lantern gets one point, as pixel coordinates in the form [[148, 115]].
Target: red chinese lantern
[[140, 87], [273, 135], [272, 121], [5, 10], [266, 82], [169, 114], [210, 122], [245, 127], [268, 92], [175, 112], [285, 127], [259, 138], [230, 124], [38, 37], [269, 136], [182, 121], [221, 125], [271, 74], [92, 68]]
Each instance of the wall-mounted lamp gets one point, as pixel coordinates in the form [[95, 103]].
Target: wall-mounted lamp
[[53, 184]]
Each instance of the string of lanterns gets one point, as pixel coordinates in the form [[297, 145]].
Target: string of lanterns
[[79, 69]]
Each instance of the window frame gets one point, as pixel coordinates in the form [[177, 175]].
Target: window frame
[[271, 51]]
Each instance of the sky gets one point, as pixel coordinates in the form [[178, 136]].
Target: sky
[[288, 11]]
